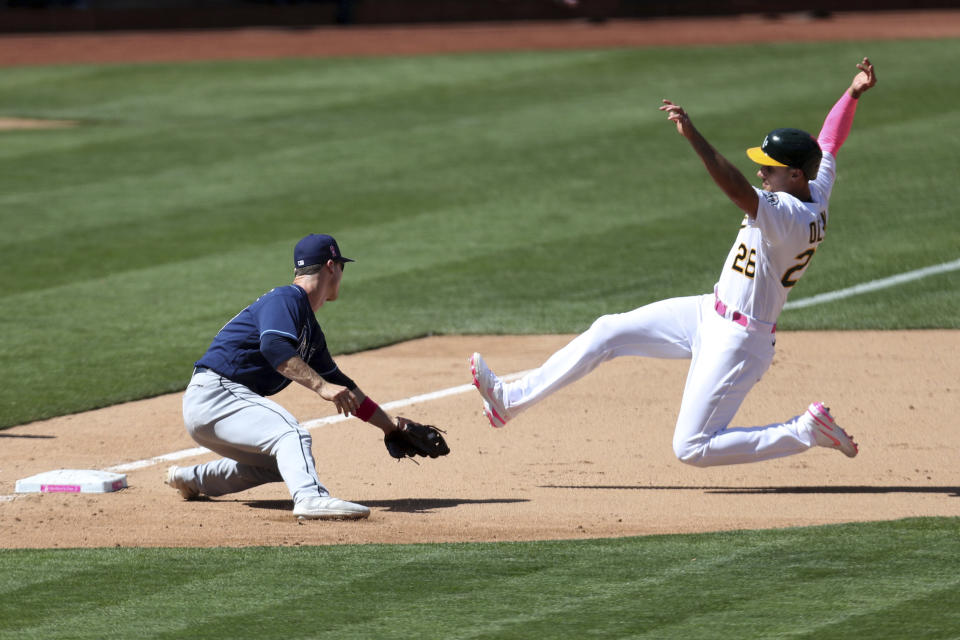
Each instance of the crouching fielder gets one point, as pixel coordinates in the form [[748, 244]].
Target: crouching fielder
[[729, 335], [277, 340]]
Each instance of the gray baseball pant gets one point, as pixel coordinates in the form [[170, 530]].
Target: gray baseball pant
[[261, 441]]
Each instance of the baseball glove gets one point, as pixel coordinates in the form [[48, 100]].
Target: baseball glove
[[414, 439]]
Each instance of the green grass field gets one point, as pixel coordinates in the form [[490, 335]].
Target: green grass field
[[870, 581], [506, 193], [522, 193]]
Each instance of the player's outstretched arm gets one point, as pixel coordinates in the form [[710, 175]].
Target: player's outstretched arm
[[839, 121], [730, 180]]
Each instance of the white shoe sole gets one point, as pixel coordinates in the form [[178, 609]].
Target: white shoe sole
[[335, 515], [333, 509]]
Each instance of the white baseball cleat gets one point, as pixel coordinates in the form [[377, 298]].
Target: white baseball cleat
[[329, 508], [826, 432], [491, 390], [173, 480]]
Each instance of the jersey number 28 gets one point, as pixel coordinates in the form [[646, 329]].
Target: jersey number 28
[[746, 261]]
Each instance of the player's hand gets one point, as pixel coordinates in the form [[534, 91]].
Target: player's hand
[[342, 398], [863, 80], [678, 116]]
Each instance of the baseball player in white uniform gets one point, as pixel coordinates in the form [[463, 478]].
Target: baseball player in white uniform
[[729, 335]]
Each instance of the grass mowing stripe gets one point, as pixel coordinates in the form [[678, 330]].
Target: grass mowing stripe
[[88, 591], [930, 610], [139, 599], [864, 580], [618, 597]]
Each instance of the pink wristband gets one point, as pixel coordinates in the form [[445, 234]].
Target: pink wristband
[[366, 409]]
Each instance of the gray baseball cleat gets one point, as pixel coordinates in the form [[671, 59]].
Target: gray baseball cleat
[[826, 432], [174, 480], [329, 508]]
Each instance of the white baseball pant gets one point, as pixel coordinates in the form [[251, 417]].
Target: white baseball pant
[[726, 361]]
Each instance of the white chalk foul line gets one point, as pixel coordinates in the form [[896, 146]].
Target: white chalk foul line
[[311, 424], [149, 462], [874, 285]]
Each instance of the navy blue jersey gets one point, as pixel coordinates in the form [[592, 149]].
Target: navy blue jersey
[[247, 349]]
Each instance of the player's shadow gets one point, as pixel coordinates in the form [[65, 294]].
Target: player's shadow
[[953, 492], [422, 505], [403, 505], [24, 435]]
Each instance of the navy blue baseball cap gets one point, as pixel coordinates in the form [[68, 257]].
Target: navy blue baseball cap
[[317, 248]]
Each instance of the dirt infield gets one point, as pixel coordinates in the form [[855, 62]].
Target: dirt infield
[[595, 460]]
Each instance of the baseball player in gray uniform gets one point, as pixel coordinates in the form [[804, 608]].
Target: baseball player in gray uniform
[[728, 335], [270, 343]]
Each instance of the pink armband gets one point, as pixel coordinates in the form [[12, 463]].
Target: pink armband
[[366, 409], [836, 127]]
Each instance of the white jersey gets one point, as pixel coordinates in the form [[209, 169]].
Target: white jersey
[[773, 250]]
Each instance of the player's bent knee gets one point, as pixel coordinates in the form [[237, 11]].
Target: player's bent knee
[[689, 453], [600, 334], [607, 325]]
